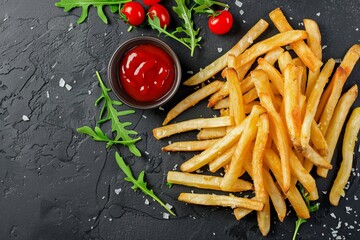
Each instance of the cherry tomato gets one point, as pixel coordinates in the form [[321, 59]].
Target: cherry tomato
[[151, 2], [161, 12], [134, 13], [221, 23]]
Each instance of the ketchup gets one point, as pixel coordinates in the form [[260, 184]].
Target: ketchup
[[146, 72]]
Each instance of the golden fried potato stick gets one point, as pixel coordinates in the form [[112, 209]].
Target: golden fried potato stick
[[314, 99], [314, 43], [220, 63], [336, 124], [292, 78], [241, 212], [205, 181], [211, 133], [189, 146], [263, 217], [284, 59], [300, 47], [193, 99], [297, 61], [236, 98], [237, 160], [343, 175], [257, 157], [262, 86], [220, 147], [293, 195], [271, 188], [221, 200], [318, 140], [222, 160], [278, 40], [193, 124], [274, 75], [336, 85]]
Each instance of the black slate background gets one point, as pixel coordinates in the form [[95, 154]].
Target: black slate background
[[58, 184]]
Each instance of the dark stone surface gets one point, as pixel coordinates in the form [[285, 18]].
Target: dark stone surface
[[58, 184]]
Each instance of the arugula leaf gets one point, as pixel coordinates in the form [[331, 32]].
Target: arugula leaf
[[312, 208], [139, 183], [85, 4], [204, 6], [187, 28], [108, 112], [98, 135]]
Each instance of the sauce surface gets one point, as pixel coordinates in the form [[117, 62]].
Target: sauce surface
[[146, 72]]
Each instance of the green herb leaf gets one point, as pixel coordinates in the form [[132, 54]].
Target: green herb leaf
[[108, 112], [204, 6], [169, 185], [187, 28], [312, 208], [85, 4], [140, 182]]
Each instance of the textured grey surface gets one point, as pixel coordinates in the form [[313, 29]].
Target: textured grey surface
[[58, 184]]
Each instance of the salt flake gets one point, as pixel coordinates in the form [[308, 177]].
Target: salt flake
[[68, 87], [61, 82], [25, 118]]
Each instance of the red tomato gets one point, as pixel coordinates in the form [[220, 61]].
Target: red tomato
[[134, 13], [161, 12], [221, 23], [151, 2]]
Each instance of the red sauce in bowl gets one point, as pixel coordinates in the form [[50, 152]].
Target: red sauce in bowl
[[147, 72]]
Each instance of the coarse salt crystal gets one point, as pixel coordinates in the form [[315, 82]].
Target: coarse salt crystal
[[61, 82], [291, 18], [244, 21], [25, 118], [190, 72], [214, 234], [147, 202], [161, 109], [318, 14], [168, 206], [68, 87], [175, 167], [238, 3], [241, 12], [219, 50], [333, 215], [338, 60], [323, 47], [89, 92], [117, 191], [144, 116], [356, 29], [166, 215], [47, 94], [348, 209], [355, 198], [147, 153]]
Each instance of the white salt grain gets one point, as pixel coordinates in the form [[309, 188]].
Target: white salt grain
[[318, 14], [68, 87], [323, 47], [117, 191], [333, 215], [25, 118], [47, 94], [61, 82], [168, 206], [147, 202], [241, 12], [219, 50], [238, 3], [166, 215]]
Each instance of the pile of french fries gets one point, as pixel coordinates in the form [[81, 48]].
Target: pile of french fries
[[278, 122]]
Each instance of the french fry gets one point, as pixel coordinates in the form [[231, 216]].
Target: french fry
[[343, 175], [297, 62], [236, 98], [284, 59], [211, 133], [261, 82], [220, 147], [297, 202], [193, 99], [318, 140], [237, 160], [263, 217], [337, 83], [205, 181], [220, 63], [274, 75], [189, 146], [193, 124], [222, 160], [257, 159], [314, 43], [241, 212], [314, 99], [300, 47], [292, 78], [337, 121], [221, 200], [278, 40], [315, 157]]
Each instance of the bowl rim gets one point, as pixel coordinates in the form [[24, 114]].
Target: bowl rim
[[113, 78]]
